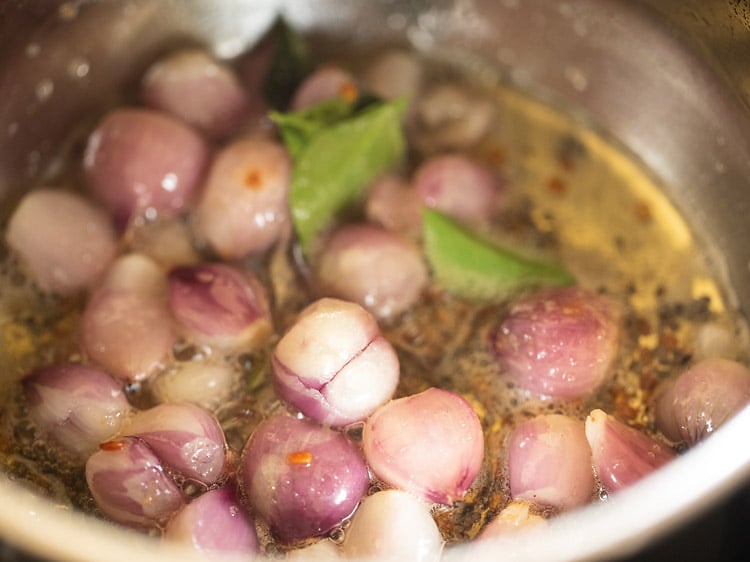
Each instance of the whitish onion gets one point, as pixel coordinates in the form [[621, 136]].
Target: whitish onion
[[333, 364], [77, 405], [393, 203], [430, 444], [549, 463], [199, 90], [206, 384], [513, 517], [244, 207], [373, 267], [700, 400], [393, 526], [64, 241]]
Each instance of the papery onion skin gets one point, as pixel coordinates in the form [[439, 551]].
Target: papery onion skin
[[373, 267], [558, 342], [549, 463], [138, 160], [325, 84], [64, 241], [622, 455], [220, 305], [457, 186], [701, 399], [303, 479], [430, 444], [185, 437], [77, 405], [198, 90], [392, 526], [214, 524], [334, 365], [244, 209], [130, 486]]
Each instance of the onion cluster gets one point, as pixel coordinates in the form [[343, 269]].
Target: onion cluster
[[188, 197]]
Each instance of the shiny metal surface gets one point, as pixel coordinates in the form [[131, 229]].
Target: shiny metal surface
[[669, 79]]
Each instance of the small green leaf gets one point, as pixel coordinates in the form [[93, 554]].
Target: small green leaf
[[473, 268], [297, 128], [337, 163], [291, 64]]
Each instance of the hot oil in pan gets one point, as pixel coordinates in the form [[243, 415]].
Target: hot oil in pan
[[572, 193]]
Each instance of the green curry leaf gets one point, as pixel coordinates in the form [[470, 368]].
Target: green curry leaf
[[476, 269], [335, 160]]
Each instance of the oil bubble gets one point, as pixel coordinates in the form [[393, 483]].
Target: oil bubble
[[78, 67], [44, 90]]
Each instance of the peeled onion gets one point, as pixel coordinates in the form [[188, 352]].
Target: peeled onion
[[700, 400], [549, 462], [220, 305], [64, 241], [558, 342], [393, 526], [622, 455], [430, 444], [130, 485], [199, 90], [206, 384], [457, 186], [77, 405], [393, 203], [393, 74], [333, 364], [141, 161], [244, 206], [303, 479], [513, 517], [185, 437], [372, 267], [325, 84], [214, 524]]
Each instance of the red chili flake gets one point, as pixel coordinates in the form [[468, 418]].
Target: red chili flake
[[349, 91], [115, 445], [556, 185], [253, 179], [495, 156], [643, 212], [303, 458]]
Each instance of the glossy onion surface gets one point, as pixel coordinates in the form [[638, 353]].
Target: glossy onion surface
[[185, 437], [129, 484], [244, 207], [141, 159], [622, 455], [333, 364], [393, 525], [215, 524], [430, 444], [558, 342], [373, 267], [77, 405], [549, 462], [301, 478], [700, 400]]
